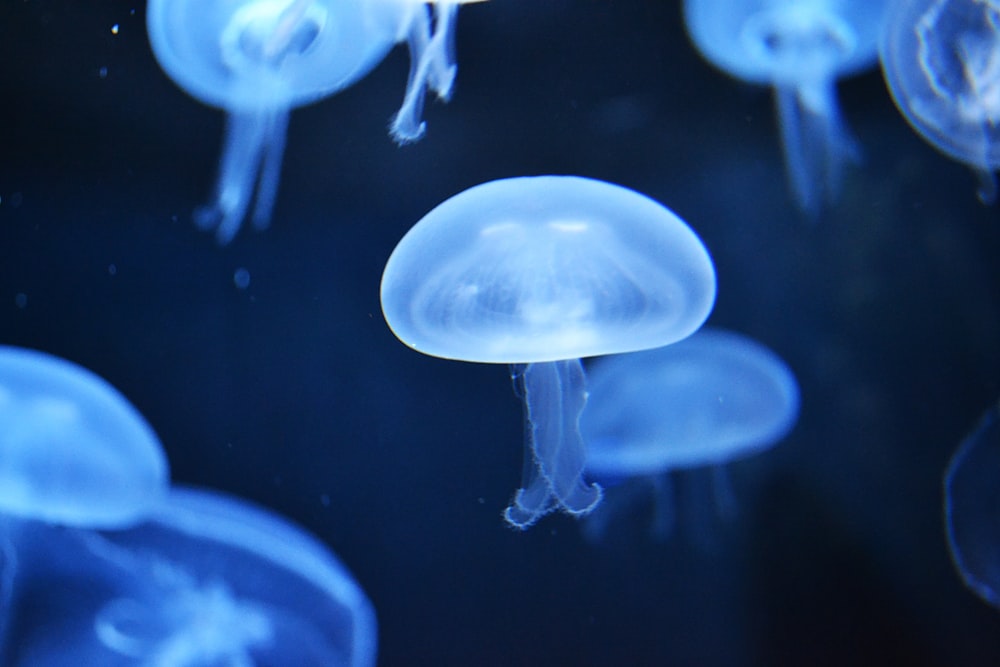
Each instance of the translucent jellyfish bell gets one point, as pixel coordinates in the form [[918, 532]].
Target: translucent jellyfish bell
[[537, 272], [208, 580], [972, 508], [704, 401], [73, 451], [257, 59], [941, 61], [800, 47]]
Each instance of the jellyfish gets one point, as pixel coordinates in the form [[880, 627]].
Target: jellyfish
[[941, 61], [972, 508], [800, 48], [73, 450], [208, 579], [537, 272], [257, 59], [709, 399]]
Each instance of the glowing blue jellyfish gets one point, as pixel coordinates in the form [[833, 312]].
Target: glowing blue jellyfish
[[941, 60], [800, 47], [537, 272], [972, 508], [73, 451], [208, 580], [257, 59], [704, 401]]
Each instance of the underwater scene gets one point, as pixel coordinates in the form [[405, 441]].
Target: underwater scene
[[499, 333]]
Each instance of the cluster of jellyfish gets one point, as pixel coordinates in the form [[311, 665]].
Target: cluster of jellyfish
[[534, 272]]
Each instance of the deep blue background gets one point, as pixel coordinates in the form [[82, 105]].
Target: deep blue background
[[294, 393]]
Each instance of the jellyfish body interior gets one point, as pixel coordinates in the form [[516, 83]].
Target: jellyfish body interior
[[941, 62], [972, 508], [800, 47], [74, 450], [258, 59], [701, 402], [207, 580], [538, 272]]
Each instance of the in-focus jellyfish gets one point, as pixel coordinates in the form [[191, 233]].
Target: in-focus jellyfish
[[257, 59], [704, 401], [941, 60], [207, 580], [972, 508], [73, 450], [800, 47], [537, 272]]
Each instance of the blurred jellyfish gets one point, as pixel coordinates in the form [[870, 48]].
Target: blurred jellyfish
[[941, 60], [257, 59], [972, 508], [537, 272], [800, 47], [704, 401], [207, 580], [73, 451]]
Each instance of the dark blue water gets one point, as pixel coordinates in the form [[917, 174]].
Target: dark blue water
[[295, 394]]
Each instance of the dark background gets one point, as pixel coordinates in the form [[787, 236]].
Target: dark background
[[295, 394]]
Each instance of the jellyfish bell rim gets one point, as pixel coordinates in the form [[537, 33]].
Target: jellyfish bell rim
[[406, 269]]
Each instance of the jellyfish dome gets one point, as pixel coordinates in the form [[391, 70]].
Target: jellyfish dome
[[941, 61], [711, 398], [972, 508], [537, 272], [208, 580], [73, 450], [800, 47]]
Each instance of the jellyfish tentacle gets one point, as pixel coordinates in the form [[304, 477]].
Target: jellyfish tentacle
[[431, 65]]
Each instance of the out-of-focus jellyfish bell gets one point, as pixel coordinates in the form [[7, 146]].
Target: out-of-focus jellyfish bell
[[941, 61], [972, 508], [706, 400], [800, 47], [537, 272], [207, 580], [257, 59], [73, 451]]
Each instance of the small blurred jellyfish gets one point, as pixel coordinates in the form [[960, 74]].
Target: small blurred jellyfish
[[537, 272], [941, 61], [800, 48], [707, 400], [73, 452], [258, 59], [207, 580], [972, 508]]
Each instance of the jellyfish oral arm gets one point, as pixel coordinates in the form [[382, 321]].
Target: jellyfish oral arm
[[554, 395], [815, 141], [432, 64], [251, 159]]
